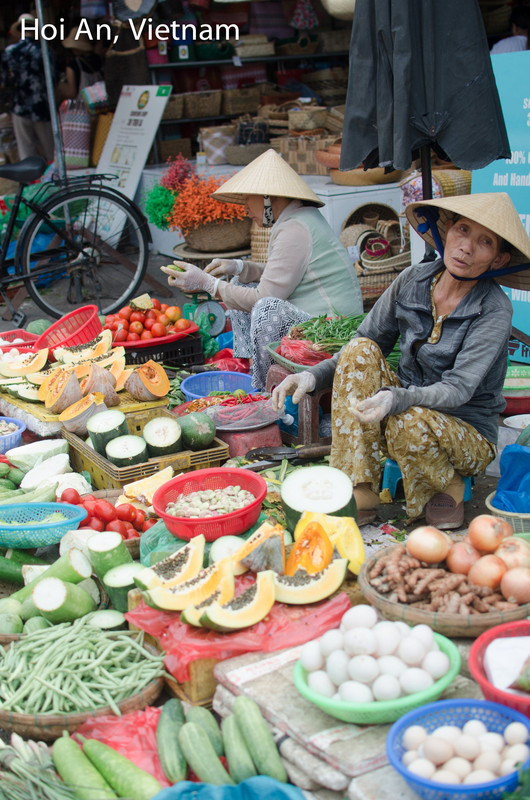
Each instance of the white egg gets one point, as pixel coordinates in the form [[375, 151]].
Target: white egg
[[445, 776], [424, 634], [409, 757], [518, 752], [337, 666], [437, 750], [391, 665], [402, 627], [386, 687], [336, 696], [516, 733], [466, 746], [360, 641], [508, 765], [479, 776], [436, 664], [320, 682], [363, 668], [388, 638], [423, 768], [330, 641], [474, 727], [491, 741], [355, 692], [311, 656], [413, 737], [361, 616], [414, 680], [448, 732], [460, 766], [490, 759], [411, 651]]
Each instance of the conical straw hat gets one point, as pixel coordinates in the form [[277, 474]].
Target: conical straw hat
[[495, 211], [269, 175]]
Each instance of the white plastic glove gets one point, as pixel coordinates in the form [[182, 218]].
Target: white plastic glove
[[225, 266], [374, 408], [192, 279], [296, 384]]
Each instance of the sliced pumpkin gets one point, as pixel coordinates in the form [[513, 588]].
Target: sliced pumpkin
[[100, 345], [106, 360], [247, 609], [63, 392], [191, 592], [121, 380], [33, 362], [74, 417], [148, 382], [343, 533], [312, 551], [101, 381], [253, 542]]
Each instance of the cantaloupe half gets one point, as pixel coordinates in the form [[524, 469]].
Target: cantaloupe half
[[106, 360], [100, 345], [191, 592], [33, 362]]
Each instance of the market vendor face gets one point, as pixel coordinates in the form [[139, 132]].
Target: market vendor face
[[471, 249], [254, 208]]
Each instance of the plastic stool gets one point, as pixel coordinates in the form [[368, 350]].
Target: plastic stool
[[308, 416], [392, 476]]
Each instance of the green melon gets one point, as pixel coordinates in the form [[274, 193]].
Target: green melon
[[198, 430]]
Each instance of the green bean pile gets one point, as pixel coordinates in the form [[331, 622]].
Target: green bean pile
[[72, 668]]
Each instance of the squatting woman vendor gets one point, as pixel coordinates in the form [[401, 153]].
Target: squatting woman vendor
[[438, 416], [308, 271]]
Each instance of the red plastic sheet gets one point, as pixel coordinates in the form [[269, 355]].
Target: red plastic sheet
[[300, 351], [225, 360], [284, 626]]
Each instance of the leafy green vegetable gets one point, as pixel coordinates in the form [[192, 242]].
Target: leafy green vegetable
[[523, 790]]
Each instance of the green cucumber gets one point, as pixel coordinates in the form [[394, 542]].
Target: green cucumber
[[107, 619], [5, 483], [9, 496], [170, 722], [78, 772], [10, 571], [201, 716], [15, 475], [163, 436], [200, 755], [107, 550], [36, 623], [238, 758], [73, 567], [126, 451], [40, 495], [119, 581], [58, 601], [258, 738], [4, 469], [23, 557], [124, 777], [104, 426], [10, 623]]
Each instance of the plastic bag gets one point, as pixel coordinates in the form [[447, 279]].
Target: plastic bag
[[300, 351], [210, 346], [284, 626], [224, 360], [133, 735], [258, 788], [243, 416], [513, 488]]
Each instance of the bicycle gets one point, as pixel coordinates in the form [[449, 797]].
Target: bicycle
[[83, 242]]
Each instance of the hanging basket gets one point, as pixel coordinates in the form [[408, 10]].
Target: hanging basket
[[220, 236], [259, 243]]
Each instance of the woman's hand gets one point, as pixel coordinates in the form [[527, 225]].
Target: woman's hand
[[296, 384], [225, 266], [373, 409], [191, 279]]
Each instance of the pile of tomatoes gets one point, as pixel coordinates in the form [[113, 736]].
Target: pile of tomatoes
[[125, 519], [162, 320]]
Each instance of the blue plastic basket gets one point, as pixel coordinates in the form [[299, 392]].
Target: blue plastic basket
[[454, 712], [10, 440], [205, 382], [22, 526]]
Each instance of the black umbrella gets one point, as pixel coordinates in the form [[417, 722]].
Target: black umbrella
[[420, 76]]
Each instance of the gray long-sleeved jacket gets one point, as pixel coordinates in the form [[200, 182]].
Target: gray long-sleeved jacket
[[463, 373]]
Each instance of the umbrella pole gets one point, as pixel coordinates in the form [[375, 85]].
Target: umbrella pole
[[50, 87], [426, 171]]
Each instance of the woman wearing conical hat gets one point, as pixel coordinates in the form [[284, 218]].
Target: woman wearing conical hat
[[438, 416], [308, 272]]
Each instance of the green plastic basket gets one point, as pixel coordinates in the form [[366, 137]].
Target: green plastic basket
[[379, 712], [284, 362]]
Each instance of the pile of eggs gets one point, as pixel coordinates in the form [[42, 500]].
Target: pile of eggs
[[471, 754], [366, 659]]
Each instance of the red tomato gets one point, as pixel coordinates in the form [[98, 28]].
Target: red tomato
[[107, 327], [125, 312], [149, 322], [119, 526], [164, 307], [95, 523], [164, 320], [133, 337], [153, 313], [118, 324], [136, 327], [182, 324], [89, 506], [173, 313], [139, 519], [137, 316], [148, 524], [70, 496], [104, 510], [110, 318], [132, 533], [121, 336], [158, 330], [87, 497], [156, 303], [126, 512], [146, 335]]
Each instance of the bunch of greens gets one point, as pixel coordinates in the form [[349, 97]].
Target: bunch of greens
[[175, 396]]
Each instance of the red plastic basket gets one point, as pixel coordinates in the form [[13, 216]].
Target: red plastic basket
[[211, 527], [77, 327], [141, 344], [476, 665], [516, 405], [18, 333]]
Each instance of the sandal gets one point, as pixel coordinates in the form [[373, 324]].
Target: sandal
[[366, 515], [442, 511]]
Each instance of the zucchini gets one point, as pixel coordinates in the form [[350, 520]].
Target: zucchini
[[203, 717], [11, 571], [170, 722], [11, 496], [119, 581], [124, 777], [78, 772], [238, 758], [73, 567], [163, 436], [23, 557], [58, 601], [104, 426], [10, 623], [36, 623], [44, 494], [200, 755], [107, 550], [107, 620], [258, 738], [125, 451]]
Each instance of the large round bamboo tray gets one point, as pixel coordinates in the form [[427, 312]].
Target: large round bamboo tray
[[49, 727], [452, 625]]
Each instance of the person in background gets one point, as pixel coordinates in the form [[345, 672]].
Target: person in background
[[438, 416], [22, 70], [308, 272], [83, 69], [520, 26]]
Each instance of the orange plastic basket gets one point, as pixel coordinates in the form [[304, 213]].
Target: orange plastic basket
[[77, 327], [211, 527]]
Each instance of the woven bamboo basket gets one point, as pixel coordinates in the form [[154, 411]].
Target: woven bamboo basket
[[382, 210], [355, 235], [259, 243], [242, 154], [329, 84], [364, 177], [335, 41], [453, 181], [49, 727], [241, 101], [305, 44], [218, 237], [299, 152], [203, 104], [397, 262], [174, 107], [467, 626], [307, 119]]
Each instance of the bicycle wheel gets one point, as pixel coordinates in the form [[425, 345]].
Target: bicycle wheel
[[91, 247]]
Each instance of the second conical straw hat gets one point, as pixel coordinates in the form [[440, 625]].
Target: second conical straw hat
[[268, 174]]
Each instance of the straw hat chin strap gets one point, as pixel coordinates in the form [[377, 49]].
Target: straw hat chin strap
[[268, 216], [431, 216]]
